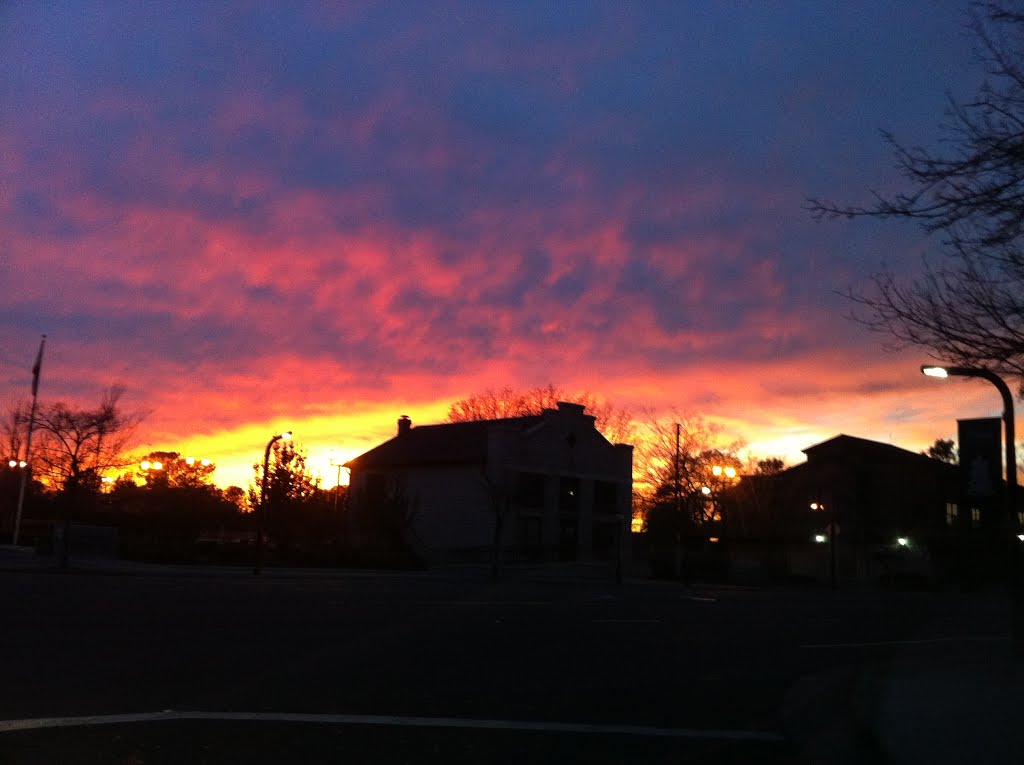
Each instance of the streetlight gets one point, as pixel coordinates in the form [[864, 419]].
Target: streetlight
[[17, 463], [262, 516], [1016, 605], [833, 530]]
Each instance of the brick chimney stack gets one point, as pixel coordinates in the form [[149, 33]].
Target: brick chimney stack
[[404, 423]]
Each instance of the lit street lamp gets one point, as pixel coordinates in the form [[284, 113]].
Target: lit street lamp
[[833, 530], [261, 518], [1017, 607]]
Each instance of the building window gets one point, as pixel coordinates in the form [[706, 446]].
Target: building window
[[605, 496], [951, 513], [531, 490], [975, 516]]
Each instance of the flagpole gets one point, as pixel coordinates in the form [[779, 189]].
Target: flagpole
[[28, 441]]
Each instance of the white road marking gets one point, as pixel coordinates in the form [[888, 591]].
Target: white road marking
[[490, 603], [922, 641], [395, 720]]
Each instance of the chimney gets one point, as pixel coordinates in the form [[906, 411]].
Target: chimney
[[404, 423]]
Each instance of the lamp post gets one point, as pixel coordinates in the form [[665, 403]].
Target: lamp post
[[833, 529], [262, 512], [1016, 605], [337, 483]]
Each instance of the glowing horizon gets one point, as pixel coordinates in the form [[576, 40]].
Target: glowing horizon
[[321, 220]]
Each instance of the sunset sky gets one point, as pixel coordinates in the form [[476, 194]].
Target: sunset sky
[[321, 216]]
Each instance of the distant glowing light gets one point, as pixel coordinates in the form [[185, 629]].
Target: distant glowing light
[[712, 539], [716, 470], [205, 462], [902, 541], [935, 371], [145, 464], [1020, 537], [190, 460], [819, 538], [705, 490], [730, 472], [158, 466], [816, 506]]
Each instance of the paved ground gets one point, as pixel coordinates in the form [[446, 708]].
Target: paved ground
[[442, 669]]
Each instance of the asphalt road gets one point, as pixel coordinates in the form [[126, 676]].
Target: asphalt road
[[407, 669]]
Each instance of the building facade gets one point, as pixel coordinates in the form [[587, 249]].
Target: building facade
[[543, 487], [872, 511]]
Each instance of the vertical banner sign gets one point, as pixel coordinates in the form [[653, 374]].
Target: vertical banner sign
[[981, 461]]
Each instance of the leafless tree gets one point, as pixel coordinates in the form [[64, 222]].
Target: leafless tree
[[968, 306], [12, 431], [75, 446], [614, 423]]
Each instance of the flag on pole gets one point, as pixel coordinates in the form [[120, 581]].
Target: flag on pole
[[38, 365]]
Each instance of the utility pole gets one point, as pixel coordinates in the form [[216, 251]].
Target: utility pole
[[681, 526], [28, 442], [337, 483]]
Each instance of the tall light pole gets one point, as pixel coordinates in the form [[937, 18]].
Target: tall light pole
[[262, 512], [1017, 606], [337, 483]]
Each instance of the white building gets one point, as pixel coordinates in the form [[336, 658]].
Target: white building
[[543, 487]]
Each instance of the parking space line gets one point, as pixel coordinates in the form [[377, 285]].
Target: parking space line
[[400, 721], [921, 641]]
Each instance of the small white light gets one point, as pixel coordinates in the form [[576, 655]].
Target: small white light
[[730, 472], [902, 541], [816, 506], [716, 470], [158, 466], [204, 462], [705, 490], [819, 538], [1020, 537], [286, 435], [190, 460], [13, 463], [935, 371], [145, 464]]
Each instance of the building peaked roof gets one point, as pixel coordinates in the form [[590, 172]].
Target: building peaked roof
[[847, 444], [444, 444]]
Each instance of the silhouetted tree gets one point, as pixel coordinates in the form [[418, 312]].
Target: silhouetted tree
[[769, 466], [299, 514], [176, 471], [74, 447], [943, 449], [614, 423], [968, 308], [13, 431], [236, 496]]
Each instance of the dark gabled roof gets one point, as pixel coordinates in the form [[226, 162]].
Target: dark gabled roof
[[845, 443], [452, 443]]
